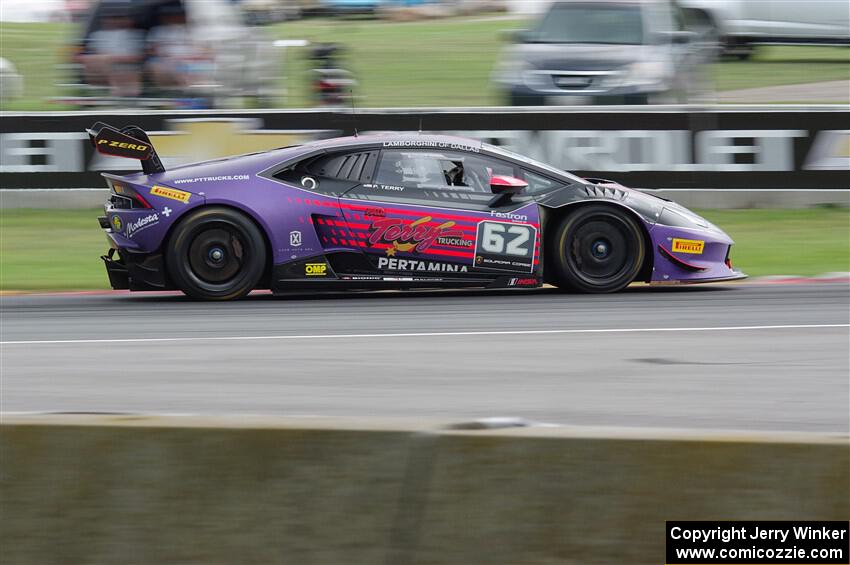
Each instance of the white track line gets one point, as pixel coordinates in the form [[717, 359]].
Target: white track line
[[423, 334]]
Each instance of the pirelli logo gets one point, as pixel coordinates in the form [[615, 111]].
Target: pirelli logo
[[316, 269], [171, 193], [694, 246]]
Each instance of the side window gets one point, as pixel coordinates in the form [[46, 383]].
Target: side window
[[538, 183], [447, 170], [336, 171], [347, 166]]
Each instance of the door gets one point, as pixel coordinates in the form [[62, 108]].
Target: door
[[428, 214]]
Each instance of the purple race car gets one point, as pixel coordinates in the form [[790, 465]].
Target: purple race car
[[387, 212]]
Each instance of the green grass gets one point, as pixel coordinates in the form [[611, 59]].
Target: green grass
[[59, 249], [36, 50], [778, 65], [51, 250], [445, 62], [432, 63], [787, 242]]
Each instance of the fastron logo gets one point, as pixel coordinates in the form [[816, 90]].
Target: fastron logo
[[509, 216], [135, 227]]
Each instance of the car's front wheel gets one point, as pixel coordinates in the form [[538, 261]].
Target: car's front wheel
[[216, 253], [595, 249]]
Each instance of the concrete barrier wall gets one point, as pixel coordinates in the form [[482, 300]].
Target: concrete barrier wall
[[110, 489], [715, 156]]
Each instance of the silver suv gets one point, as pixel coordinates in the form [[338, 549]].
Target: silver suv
[[603, 52]]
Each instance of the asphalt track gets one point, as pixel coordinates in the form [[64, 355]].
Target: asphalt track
[[736, 356]]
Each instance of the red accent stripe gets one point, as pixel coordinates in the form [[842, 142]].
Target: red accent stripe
[[369, 226], [430, 251], [356, 226], [680, 262], [465, 218]]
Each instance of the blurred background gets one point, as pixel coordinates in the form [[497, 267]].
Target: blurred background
[[599, 67], [758, 142], [170, 54]]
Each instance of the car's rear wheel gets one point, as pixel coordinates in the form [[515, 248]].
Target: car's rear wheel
[[216, 254], [595, 249]]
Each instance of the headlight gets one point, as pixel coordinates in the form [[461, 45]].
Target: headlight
[[536, 80], [511, 70], [682, 218], [642, 73]]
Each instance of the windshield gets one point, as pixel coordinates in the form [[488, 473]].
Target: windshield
[[614, 24], [495, 150]]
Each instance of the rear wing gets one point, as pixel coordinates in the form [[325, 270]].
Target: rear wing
[[130, 142]]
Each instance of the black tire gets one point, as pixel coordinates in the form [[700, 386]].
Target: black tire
[[216, 253], [595, 249]]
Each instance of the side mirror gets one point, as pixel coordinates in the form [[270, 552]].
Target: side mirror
[[501, 184], [515, 35], [504, 187]]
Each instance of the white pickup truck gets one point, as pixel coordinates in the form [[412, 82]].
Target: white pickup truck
[[740, 24]]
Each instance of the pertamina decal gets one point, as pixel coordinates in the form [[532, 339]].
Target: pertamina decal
[[693, 246], [171, 193], [393, 264]]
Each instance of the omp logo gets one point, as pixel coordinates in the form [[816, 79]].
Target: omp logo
[[122, 145], [171, 193], [316, 269], [688, 246]]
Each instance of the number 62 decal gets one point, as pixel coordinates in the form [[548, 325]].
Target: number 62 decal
[[505, 247]]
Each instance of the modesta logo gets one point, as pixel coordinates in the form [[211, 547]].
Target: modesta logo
[[135, 227]]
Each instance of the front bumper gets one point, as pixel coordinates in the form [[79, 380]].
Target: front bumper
[[620, 94], [691, 256]]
